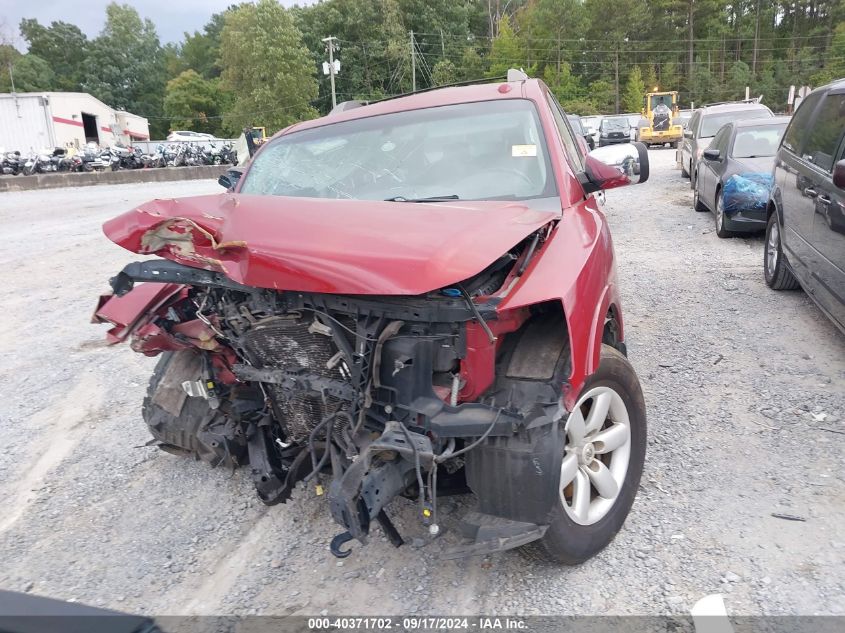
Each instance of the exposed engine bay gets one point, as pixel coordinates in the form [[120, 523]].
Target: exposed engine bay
[[366, 397]]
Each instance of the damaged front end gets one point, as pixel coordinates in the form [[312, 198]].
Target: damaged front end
[[372, 396]]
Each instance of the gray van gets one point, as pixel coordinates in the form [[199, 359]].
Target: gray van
[[805, 233]]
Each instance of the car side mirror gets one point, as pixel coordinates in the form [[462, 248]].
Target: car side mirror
[[839, 174], [687, 133], [230, 179], [615, 166], [712, 154]]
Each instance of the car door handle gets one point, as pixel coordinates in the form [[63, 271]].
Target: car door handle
[[810, 192], [823, 199]]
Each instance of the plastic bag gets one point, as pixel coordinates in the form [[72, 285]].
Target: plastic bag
[[744, 192]]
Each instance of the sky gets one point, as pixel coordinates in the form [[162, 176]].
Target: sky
[[171, 17]]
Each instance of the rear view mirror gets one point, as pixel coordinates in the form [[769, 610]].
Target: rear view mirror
[[687, 133], [839, 174], [615, 166], [712, 154]]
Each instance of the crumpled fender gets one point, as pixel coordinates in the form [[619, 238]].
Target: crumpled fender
[[576, 267], [136, 308]]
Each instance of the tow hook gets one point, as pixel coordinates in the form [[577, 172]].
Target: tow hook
[[337, 542]]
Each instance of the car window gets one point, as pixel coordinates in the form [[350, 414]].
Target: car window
[[797, 130], [615, 124], [711, 123], [573, 149], [720, 141], [575, 122], [751, 142], [693, 124], [825, 132], [489, 150]]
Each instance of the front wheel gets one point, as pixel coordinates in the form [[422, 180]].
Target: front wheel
[[775, 269], [721, 231], [697, 204], [603, 457]]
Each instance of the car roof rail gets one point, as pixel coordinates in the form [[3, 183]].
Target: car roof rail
[[456, 84], [752, 100]]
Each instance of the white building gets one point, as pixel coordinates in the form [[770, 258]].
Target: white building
[[30, 121]]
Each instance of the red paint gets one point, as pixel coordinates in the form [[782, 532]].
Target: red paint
[[363, 247], [57, 119], [132, 310], [334, 246], [137, 135], [105, 128]]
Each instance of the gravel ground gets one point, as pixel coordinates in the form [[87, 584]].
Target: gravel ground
[[746, 395]]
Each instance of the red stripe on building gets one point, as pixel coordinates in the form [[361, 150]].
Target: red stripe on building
[[137, 135], [105, 129], [67, 121]]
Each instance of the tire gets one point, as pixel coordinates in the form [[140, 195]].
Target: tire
[[185, 425], [719, 215], [775, 267], [697, 204], [567, 540]]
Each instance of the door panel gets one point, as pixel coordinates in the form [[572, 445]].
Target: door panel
[[828, 239], [794, 177]]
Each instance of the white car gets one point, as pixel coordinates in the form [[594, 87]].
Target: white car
[[591, 126], [185, 135]]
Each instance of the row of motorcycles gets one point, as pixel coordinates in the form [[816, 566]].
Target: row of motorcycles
[[94, 158]]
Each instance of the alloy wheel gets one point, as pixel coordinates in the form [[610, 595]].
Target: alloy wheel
[[596, 455], [772, 246], [720, 214]]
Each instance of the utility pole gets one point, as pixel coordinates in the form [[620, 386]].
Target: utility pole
[[413, 64], [332, 70], [616, 65]]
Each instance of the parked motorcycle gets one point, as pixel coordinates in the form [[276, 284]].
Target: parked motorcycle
[[11, 163]]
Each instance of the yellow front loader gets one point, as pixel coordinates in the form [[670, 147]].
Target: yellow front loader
[[660, 113]]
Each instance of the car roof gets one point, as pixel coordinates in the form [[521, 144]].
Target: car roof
[[776, 120], [454, 95], [731, 107], [834, 85]]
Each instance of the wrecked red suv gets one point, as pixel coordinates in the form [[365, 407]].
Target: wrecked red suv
[[415, 297]]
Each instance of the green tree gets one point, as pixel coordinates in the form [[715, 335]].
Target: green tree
[[561, 82], [602, 95], [834, 67], [201, 50], [506, 52], [632, 98], [125, 66], [31, 74], [550, 29], [669, 79], [266, 67], [444, 72], [193, 102], [62, 46], [702, 86], [649, 77], [739, 76], [472, 65]]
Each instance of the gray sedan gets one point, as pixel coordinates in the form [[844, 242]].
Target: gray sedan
[[735, 174]]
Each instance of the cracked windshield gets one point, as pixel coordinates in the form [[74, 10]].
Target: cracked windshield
[[474, 151]]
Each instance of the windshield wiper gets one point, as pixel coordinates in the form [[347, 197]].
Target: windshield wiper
[[430, 199]]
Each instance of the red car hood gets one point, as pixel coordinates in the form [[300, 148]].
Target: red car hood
[[333, 246]]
